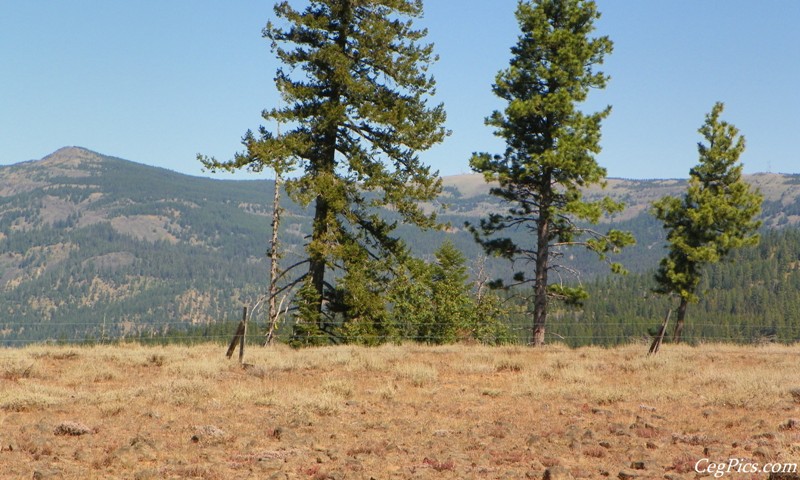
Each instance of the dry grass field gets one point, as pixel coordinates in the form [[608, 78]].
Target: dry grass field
[[407, 411]]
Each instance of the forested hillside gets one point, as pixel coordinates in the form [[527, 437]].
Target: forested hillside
[[754, 296], [98, 247]]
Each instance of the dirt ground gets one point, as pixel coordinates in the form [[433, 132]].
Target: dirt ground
[[408, 411]]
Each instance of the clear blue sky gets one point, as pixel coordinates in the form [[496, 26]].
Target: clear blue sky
[[158, 81]]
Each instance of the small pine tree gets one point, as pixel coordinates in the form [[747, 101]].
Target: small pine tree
[[451, 298], [716, 215], [436, 303]]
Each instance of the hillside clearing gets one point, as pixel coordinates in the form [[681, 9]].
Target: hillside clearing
[[406, 411]]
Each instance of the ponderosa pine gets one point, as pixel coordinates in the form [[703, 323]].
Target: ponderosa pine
[[550, 148], [355, 84]]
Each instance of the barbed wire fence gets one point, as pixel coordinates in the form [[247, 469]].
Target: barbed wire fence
[[571, 333]]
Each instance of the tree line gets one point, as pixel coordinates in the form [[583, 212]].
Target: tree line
[[358, 106]]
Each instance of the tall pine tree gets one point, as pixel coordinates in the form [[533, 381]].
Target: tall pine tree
[[716, 215], [356, 87], [550, 148]]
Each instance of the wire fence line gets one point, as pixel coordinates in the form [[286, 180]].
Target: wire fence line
[[571, 333], [652, 323]]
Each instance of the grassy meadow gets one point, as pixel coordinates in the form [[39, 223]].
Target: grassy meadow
[[396, 411]]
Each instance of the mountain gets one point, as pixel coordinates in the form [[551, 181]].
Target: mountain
[[87, 240], [94, 246]]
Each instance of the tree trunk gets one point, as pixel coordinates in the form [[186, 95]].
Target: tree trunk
[[327, 166], [540, 295], [317, 257], [679, 323], [274, 257]]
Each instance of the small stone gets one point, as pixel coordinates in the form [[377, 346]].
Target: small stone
[[71, 429], [618, 429], [625, 475], [651, 445], [713, 452], [763, 454], [557, 473], [791, 424], [209, 431], [532, 439], [639, 465], [784, 476], [795, 393], [45, 474], [148, 474]]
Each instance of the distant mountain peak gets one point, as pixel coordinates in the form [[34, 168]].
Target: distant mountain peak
[[73, 150], [72, 156]]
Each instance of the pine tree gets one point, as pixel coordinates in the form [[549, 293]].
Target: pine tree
[[716, 215], [437, 303], [550, 148], [356, 87], [451, 299]]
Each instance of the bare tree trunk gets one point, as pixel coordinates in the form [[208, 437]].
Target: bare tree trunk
[[271, 330], [540, 294], [679, 322], [274, 257]]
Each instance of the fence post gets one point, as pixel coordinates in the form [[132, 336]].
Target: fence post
[[241, 330], [243, 336], [660, 337]]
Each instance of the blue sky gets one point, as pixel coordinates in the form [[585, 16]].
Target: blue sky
[[159, 81]]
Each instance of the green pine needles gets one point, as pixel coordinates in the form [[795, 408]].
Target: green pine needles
[[716, 215], [550, 149], [356, 91]]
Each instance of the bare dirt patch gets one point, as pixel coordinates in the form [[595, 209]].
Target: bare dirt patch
[[151, 228]]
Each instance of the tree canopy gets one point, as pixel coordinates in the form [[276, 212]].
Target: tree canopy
[[550, 149], [716, 215], [356, 91]]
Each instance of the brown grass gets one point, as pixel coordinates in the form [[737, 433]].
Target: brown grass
[[394, 411]]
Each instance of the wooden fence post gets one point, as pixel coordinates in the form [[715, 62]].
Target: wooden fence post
[[238, 337], [242, 337], [660, 337]]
